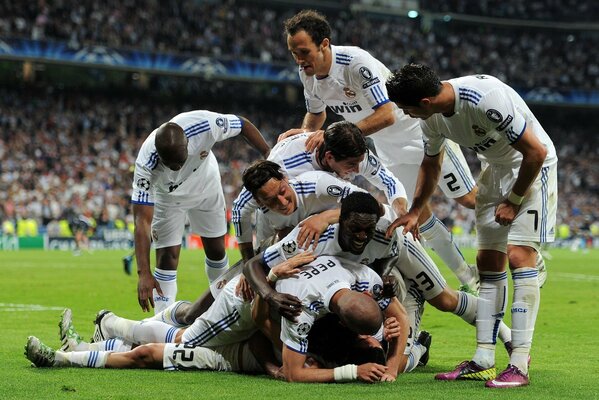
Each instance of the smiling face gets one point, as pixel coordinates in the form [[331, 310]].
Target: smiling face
[[356, 231], [277, 196], [312, 58]]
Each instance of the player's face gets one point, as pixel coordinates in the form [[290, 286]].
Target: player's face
[[356, 231], [277, 196], [416, 111], [307, 54], [175, 160], [346, 169]]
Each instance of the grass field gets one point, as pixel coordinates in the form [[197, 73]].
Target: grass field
[[36, 285]]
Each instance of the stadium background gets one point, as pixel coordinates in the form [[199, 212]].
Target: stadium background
[[84, 82]]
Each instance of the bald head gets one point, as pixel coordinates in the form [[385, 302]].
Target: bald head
[[171, 145], [358, 311]]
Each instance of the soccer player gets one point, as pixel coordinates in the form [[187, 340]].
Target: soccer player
[[351, 82], [343, 152], [177, 177], [515, 207], [360, 237]]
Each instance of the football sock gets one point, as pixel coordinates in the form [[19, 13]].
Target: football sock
[[466, 308], [525, 307], [441, 241], [141, 332], [168, 283], [416, 352], [215, 268], [89, 359], [168, 315]]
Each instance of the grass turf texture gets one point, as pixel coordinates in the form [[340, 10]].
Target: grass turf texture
[[565, 355]]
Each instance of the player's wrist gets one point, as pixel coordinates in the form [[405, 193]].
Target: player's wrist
[[272, 276], [515, 199], [345, 373]]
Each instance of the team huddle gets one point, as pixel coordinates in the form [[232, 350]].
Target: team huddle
[[332, 283]]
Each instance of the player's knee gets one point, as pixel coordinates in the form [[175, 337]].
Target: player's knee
[[147, 355], [214, 247], [468, 200]]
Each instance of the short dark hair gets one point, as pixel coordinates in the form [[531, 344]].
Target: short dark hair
[[360, 202], [409, 85], [260, 172], [314, 23], [344, 140]]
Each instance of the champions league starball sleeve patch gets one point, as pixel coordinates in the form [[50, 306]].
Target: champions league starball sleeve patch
[[143, 184], [289, 248]]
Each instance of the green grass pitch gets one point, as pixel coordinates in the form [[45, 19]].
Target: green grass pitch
[[36, 285]]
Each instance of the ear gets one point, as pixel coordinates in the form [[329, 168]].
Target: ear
[[324, 44], [328, 156], [425, 103]]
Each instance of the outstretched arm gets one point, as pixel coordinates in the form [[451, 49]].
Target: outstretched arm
[[254, 137], [142, 216]]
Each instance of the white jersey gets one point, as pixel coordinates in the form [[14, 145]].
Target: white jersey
[[315, 285], [353, 89], [316, 191], [489, 117], [294, 160], [203, 129]]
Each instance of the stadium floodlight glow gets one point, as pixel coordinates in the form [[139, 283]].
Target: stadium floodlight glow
[[413, 14], [447, 18]]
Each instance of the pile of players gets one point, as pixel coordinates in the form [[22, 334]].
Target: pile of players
[[336, 289]]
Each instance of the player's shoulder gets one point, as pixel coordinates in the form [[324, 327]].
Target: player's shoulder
[[293, 143]]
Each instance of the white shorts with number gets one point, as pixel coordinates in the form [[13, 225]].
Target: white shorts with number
[[535, 222], [228, 320], [455, 179], [206, 213], [235, 357]]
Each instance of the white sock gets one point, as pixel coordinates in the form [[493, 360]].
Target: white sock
[[466, 308], [416, 352], [110, 345], [215, 268], [441, 241], [168, 283], [140, 332], [524, 314], [169, 314], [491, 306], [89, 359]]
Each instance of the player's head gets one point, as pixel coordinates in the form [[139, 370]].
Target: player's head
[[171, 145], [270, 187], [308, 39], [412, 88], [358, 311], [360, 212], [343, 149]]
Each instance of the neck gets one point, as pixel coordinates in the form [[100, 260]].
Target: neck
[[328, 61], [446, 100]]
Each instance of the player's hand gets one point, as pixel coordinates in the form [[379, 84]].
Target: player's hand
[[506, 212], [314, 141], [390, 286], [290, 132], [288, 306], [244, 290], [145, 295], [310, 230], [291, 267], [371, 372], [409, 222], [391, 329], [387, 377]]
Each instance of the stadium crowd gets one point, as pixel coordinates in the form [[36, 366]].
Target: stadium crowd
[[241, 29], [62, 151]]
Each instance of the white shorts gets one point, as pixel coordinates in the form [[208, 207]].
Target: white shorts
[[455, 179], [228, 320], [418, 270], [235, 357], [535, 221], [206, 214]]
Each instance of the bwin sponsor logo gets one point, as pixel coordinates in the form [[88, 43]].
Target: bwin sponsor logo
[[346, 108]]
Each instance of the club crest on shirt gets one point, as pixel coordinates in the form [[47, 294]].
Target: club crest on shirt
[[289, 248], [303, 329], [494, 115], [143, 184], [349, 93], [204, 154], [334, 191], [478, 131], [377, 291]]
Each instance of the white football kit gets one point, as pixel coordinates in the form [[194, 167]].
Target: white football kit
[[353, 89], [489, 117], [315, 285], [316, 191], [236, 357], [195, 190], [294, 160]]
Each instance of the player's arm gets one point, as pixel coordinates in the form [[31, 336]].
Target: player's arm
[[142, 217], [382, 117], [314, 121], [396, 359], [254, 137], [312, 227], [375, 172], [243, 208], [262, 350], [295, 370], [428, 176], [533, 157]]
